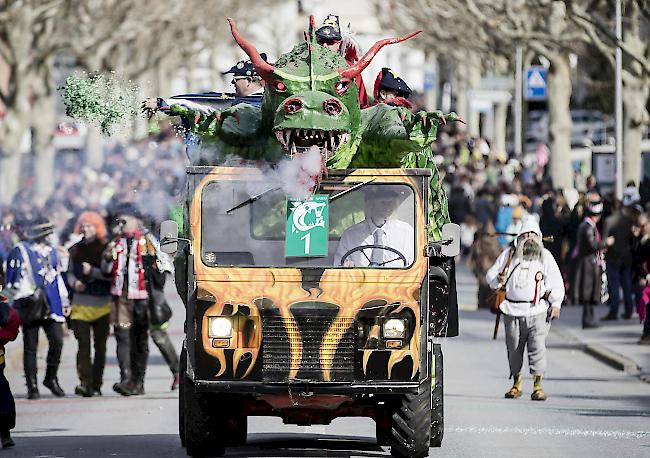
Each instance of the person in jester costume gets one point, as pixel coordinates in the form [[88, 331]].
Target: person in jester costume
[[311, 100]]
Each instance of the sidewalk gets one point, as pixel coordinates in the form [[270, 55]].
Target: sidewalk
[[614, 342]]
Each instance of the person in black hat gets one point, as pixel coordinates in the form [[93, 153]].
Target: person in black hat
[[35, 284], [589, 261], [329, 35], [124, 261], [249, 86], [391, 89]]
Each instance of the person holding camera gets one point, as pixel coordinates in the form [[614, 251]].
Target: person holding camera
[[126, 259], [39, 294]]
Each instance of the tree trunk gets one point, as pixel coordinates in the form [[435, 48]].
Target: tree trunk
[[43, 125], [559, 97], [12, 134], [635, 120], [94, 147], [499, 137]]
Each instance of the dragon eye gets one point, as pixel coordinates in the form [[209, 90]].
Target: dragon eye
[[279, 86], [341, 87], [293, 106], [332, 107]]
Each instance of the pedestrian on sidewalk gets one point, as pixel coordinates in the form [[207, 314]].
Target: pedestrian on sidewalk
[[35, 283], [534, 293], [642, 273], [589, 263], [159, 310], [484, 251], [9, 326], [124, 260], [618, 258], [91, 301]]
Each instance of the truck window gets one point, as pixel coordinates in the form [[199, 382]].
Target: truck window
[[254, 234]]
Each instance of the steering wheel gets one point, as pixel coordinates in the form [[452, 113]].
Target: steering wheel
[[400, 256]]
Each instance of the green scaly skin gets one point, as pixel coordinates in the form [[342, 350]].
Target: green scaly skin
[[381, 136]]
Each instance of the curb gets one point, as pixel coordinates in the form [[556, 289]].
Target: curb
[[603, 354]]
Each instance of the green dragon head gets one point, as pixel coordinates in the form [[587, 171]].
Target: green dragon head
[[311, 98]]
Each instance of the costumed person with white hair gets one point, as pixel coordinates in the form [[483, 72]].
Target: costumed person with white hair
[[534, 294], [329, 35]]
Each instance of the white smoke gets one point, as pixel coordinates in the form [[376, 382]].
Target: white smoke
[[295, 176]]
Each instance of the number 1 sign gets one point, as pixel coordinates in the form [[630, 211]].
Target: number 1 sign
[[307, 227]]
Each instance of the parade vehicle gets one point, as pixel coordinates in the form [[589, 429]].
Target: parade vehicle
[[276, 327], [288, 313]]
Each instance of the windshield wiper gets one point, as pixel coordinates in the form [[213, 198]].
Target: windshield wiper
[[353, 188], [252, 199]]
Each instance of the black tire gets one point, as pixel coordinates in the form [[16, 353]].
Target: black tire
[[411, 424], [181, 396], [237, 431], [383, 435], [204, 436], [437, 400]]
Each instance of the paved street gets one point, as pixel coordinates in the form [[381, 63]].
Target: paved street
[[592, 410]]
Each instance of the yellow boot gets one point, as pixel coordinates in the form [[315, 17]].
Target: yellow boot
[[538, 392], [515, 391]]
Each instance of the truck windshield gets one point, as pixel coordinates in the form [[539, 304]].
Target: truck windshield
[[370, 226]]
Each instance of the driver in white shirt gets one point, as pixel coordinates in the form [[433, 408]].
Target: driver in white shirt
[[379, 228]]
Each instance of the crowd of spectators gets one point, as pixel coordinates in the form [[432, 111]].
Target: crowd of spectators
[[490, 195], [148, 174]]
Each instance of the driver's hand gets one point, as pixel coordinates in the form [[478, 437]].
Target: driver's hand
[[348, 263]]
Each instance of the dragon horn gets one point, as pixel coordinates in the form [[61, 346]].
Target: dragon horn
[[263, 68], [354, 70]]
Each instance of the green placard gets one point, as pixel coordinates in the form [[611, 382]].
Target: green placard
[[307, 227]]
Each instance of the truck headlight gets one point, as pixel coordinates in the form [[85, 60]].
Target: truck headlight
[[219, 327], [394, 328]]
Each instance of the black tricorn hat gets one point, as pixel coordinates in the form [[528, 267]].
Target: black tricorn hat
[[38, 228], [126, 208], [391, 82], [244, 68], [330, 30]]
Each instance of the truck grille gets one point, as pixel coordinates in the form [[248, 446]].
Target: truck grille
[[308, 330]]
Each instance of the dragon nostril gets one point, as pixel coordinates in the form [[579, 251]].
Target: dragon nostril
[[293, 106], [332, 107]]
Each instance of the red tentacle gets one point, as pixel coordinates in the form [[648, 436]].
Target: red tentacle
[[352, 71], [263, 68]]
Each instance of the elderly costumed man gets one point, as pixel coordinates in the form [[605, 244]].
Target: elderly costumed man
[[534, 292]]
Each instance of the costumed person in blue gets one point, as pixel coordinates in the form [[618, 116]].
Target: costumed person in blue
[[35, 285], [391, 89], [249, 86], [9, 325]]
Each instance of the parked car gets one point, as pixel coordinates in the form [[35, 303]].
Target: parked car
[[69, 135]]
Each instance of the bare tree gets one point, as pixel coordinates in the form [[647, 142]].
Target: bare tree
[[596, 19], [29, 37], [492, 28], [139, 39]]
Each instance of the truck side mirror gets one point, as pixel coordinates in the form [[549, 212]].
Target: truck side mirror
[[451, 232], [169, 236]]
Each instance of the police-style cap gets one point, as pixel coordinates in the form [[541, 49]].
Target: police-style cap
[[391, 82], [244, 68], [330, 30]]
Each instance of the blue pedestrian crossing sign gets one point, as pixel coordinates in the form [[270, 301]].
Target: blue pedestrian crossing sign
[[535, 83]]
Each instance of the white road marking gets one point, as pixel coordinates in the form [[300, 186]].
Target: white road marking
[[551, 432]]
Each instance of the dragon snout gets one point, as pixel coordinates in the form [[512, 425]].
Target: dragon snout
[[293, 105]]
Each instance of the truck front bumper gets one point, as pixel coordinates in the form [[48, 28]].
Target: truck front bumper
[[306, 387]]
